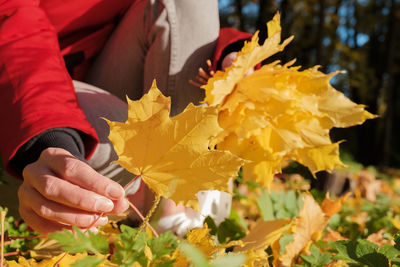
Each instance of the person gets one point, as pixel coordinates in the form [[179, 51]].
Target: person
[[54, 58]]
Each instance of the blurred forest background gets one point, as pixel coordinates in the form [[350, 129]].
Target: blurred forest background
[[361, 37]]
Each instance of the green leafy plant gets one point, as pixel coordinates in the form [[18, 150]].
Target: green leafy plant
[[77, 241], [316, 258], [14, 228], [280, 205]]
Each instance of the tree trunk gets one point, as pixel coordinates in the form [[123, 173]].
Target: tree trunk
[[388, 86], [320, 33], [238, 4]]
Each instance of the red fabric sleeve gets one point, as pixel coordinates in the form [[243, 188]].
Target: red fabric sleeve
[[36, 92], [226, 37]]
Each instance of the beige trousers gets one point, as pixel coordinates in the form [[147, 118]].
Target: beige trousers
[[166, 40]]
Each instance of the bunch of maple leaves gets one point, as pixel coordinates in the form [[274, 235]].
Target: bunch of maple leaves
[[256, 122]]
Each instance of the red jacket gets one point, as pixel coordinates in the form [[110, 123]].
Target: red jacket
[[36, 91]]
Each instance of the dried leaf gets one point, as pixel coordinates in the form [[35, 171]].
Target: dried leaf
[[264, 234], [66, 261], [308, 226], [46, 249], [368, 185], [333, 236], [256, 258], [198, 237], [378, 238], [201, 239], [331, 207]]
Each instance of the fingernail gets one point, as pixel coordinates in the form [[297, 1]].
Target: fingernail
[[104, 205], [114, 191]]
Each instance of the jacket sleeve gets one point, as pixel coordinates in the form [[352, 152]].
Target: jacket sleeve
[[229, 38], [36, 92]]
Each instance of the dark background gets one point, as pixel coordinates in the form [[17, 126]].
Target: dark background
[[360, 37]]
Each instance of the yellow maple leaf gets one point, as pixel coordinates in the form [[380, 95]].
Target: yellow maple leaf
[[222, 83], [172, 155], [255, 258], [198, 237], [264, 234], [278, 112], [319, 158]]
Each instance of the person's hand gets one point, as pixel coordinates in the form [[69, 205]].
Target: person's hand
[[203, 76], [59, 191]]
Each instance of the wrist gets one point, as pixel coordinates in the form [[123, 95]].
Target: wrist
[[66, 138]]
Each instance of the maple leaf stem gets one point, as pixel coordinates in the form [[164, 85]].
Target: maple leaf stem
[[143, 218], [93, 223], [57, 264], [147, 219], [14, 253], [3, 217]]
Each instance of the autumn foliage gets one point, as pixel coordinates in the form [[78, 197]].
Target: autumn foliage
[[258, 123]]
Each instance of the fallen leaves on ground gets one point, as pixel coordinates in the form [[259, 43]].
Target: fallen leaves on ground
[[307, 227], [264, 234], [66, 261]]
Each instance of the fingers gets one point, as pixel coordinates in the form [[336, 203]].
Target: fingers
[[42, 225], [57, 212], [195, 83], [79, 173], [201, 79], [60, 190], [64, 192], [39, 224], [120, 206], [209, 64], [203, 75]]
